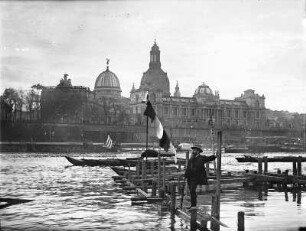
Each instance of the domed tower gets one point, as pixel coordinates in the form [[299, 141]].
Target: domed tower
[[155, 79], [204, 93], [107, 84]]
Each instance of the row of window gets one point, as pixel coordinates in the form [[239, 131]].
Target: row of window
[[204, 113]]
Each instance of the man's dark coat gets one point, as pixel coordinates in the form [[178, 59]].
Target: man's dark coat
[[195, 170]]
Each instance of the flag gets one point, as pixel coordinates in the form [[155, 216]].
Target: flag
[[108, 143], [164, 141], [145, 96]]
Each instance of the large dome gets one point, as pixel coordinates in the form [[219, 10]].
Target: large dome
[[107, 79], [155, 79], [107, 85], [203, 90]]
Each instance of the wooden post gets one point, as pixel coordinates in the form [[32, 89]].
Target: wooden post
[[214, 225], [173, 197], [152, 168], [179, 178], [153, 188], [143, 173], [294, 170], [186, 186], [259, 165], [218, 189], [294, 194], [164, 173], [299, 197], [265, 164], [138, 169], [161, 193], [299, 166], [216, 199], [129, 171], [286, 194], [240, 221], [158, 176]]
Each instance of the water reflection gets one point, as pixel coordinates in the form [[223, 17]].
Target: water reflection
[[86, 198], [74, 198]]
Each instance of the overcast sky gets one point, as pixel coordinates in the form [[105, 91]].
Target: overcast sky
[[231, 45]]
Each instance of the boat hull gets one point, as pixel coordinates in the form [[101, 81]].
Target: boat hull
[[93, 162], [272, 159]]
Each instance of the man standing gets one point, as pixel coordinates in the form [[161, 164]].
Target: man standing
[[195, 172]]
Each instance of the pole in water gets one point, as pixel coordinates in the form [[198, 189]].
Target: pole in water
[[240, 221], [173, 198]]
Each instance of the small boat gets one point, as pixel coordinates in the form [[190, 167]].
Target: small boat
[[98, 162], [118, 162], [270, 159]]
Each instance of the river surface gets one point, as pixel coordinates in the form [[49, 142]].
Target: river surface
[[66, 197]]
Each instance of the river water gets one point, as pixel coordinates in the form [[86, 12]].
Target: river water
[[66, 197]]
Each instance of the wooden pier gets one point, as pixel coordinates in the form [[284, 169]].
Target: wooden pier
[[158, 182]]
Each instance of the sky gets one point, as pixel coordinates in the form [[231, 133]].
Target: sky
[[230, 45]]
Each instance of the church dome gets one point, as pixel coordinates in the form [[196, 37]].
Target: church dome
[[155, 79], [203, 90], [107, 79]]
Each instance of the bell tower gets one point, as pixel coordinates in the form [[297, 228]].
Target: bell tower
[[155, 56]]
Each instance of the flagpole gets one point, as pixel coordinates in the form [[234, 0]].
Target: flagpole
[[147, 133]]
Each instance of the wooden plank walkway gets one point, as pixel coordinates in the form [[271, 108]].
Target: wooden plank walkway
[[161, 184]]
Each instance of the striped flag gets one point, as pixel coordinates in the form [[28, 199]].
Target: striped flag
[[164, 141], [108, 143]]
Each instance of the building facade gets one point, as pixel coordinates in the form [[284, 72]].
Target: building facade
[[204, 109], [103, 110]]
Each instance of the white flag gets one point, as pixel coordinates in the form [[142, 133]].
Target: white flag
[[109, 142]]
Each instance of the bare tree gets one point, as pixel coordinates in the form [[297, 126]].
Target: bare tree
[[20, 102], [37, 88], [10, 96]]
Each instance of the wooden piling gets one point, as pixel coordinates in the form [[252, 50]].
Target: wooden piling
[[129, 171], [259, 165], [161, 192], [152, 168], [179, 178], [164, 173], [294, 170], [153, 189], [286, 194], [216, 199], [214, 225], [299, 197], [240, 221], [173, 197], [299, 166], [218, 188], [265, 159], [143, 173], [138, 169], [186, 184]]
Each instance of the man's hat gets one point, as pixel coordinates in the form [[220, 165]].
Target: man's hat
[[198, 148]]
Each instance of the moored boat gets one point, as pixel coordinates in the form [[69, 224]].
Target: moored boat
[[270, 159], [98, 162]]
